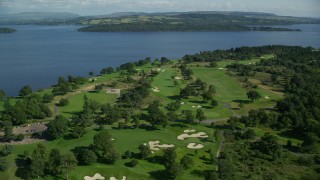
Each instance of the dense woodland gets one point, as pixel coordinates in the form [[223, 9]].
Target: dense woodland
[[244, 155]]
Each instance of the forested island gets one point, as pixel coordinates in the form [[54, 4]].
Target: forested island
[[242, 113], [194, 21], [7, 30]]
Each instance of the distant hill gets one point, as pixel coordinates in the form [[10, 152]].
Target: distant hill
[[31, 17]]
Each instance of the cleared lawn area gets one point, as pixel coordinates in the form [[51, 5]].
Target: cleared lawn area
[[76, 102]]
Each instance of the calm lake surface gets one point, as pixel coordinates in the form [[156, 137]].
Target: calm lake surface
[[38, 55]]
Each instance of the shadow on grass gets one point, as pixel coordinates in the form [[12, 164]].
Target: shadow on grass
[[22, 167], [198, 102], [159, 175], [176, 97], [242, 101]]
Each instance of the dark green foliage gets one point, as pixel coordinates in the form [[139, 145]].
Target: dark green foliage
[[214, 103], [211, 175], [8, 133], [54, 162], [19, 137], [103, 147], [268, 144], [249, 134], [186, 162], [57, 128], [169, 156], [310, 143], [30, 107], [155, 115], [25, 91], [63, 102], [174, 106], [127, 154], [188, 115], [306, 160], [6, 150], [107, 70], [253, 95], [144, 151], [226, 168], [2, 95], [86, 157], [200, 115], [4, 164], [39, 158], [133, 163], [78, 131], [46, 98]]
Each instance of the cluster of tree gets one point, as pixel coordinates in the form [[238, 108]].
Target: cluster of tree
[[241, 69], [65, 86], [186, 72], [5, 151], [134, 97], [43, 162], [30, 107]]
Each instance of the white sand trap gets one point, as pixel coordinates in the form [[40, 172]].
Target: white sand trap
[[155, 89], [182, 103], [97, 176], [155, 145], [267, 97], [189, 131], [112, 139], [195, 146], [197, 135], [199, 106], [113, 178], [158, 69], [163, 70], [113, 91], [193, 106], [178, 78], [221, 68]]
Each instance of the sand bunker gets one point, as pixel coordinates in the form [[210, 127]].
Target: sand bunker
[[113, 178], [221, 68], [155, 145], [182, 103], [113, 91], [197, 135], [97, 176], [267, 97], [195, 146], [189, 131], [163, 70], [178, 78], [198, 106], [155, 89]]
